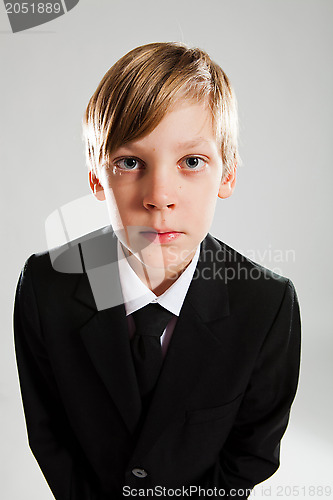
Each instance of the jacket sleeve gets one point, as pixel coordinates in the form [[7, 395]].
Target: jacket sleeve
[[49, 433], [251, 452]]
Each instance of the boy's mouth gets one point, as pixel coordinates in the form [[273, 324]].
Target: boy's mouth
[[160, 237]]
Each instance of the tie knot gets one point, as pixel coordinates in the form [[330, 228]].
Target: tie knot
[[151, 320]]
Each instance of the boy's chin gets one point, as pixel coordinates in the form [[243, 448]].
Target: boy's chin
[[156, 257], [167, 258]]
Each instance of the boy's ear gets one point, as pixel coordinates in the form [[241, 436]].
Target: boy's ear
[[96, 187], [227, 185]]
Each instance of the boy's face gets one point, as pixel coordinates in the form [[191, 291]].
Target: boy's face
[[161, 190]]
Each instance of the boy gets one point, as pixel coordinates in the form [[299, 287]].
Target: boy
[[159, 362]]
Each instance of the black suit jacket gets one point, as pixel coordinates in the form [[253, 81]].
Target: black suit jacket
[[222, 401]]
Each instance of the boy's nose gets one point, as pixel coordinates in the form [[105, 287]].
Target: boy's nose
[[159, 192]]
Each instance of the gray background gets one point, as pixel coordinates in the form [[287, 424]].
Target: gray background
[[278, 57]]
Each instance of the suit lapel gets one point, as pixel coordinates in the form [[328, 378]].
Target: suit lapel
[[106, 339], [105, 334]]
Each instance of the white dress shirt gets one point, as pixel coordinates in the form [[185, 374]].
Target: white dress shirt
[[137, 295]]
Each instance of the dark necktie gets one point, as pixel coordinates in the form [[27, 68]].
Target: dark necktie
[[150, 322]]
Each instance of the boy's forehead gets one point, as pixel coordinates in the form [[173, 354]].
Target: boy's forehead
[[184, 126], [178, 144]]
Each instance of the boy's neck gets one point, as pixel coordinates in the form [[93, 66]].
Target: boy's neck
[[158, 280]]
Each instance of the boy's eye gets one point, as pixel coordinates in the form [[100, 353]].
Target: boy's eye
[[194, 163], [128, 163], [190, 163]]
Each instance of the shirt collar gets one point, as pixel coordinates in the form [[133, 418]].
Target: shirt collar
[[137, 295]]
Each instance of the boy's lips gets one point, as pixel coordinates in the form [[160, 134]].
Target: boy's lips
[[161, 236]]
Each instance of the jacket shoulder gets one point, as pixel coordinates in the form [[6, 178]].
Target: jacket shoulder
[[76, 256], [240, 272]]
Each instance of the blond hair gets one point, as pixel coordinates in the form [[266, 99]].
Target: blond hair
[[134, 95]]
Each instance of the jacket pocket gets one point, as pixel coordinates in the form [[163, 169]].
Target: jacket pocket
[[215, 413]]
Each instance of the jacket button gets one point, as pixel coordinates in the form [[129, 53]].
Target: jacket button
[[139, 472]]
